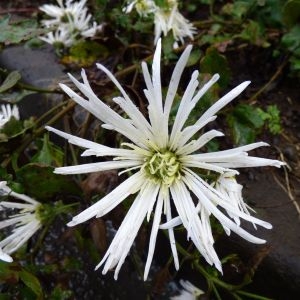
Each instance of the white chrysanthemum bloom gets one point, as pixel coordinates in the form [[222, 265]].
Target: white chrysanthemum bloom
[[166, 164], [166, 20], [143, 7], [189, 291], [227, 186], [72, 20], [7, 112], [24, 224], [61, 36]]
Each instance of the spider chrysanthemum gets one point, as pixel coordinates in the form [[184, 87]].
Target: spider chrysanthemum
[[166, 164]]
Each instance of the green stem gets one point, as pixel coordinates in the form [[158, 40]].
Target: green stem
[[50, 111], [252, 296]]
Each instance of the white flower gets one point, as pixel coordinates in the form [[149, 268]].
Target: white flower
[[72, 21], [189, 291], [60, 36], [7, 112], [166, 162], [143, 7], [24, 224], [166, 20], [227, 186]]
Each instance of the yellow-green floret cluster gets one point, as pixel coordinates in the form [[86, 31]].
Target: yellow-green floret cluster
[[163, 167]]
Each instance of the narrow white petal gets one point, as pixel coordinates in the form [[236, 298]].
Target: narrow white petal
[[190, 181], [122, 242], [5, 257], [110, 201], [153, 235], [199, 143], [96, 167], [224, 101], [176, 75], [94, 148]]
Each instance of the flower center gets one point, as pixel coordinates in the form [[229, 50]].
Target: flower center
[[163, 167]]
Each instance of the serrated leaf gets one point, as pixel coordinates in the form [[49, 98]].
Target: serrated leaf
[[41, 183], [213, 62], [31, 282], [291, 12], [11, 80]]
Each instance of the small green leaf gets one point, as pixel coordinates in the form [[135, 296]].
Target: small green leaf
[[245, 122], [11, 80], [248, 115], [291, 40], [14, 33], [194, 57], [253, 32], [291, 12], [31, 282], [15, 96], [40, 182], [85, 53], [9, 272], [59, 294], [213, 62], [49, 154]]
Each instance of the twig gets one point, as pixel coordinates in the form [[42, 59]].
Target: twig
[[272, 79], [287, 189]]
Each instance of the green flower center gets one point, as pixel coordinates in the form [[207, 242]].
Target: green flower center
[[162, 167], [67, 17]]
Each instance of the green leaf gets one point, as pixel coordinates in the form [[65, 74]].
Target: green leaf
[[31, 282], [194, 57], [49, 153], [41, 183], [236, 10], [214, 62], [242, 133], [291, 40], [85, 53], [14, 33], [59, 294], [245, 122], [11, 80], [9, 272], [253, 32], [15, 96], [249, 115], [291, 12]]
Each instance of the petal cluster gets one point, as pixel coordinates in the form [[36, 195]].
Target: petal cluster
[[166, 18], [22, 225], [7, 112], [189, 291], [167, 163], [72, 22]]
